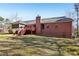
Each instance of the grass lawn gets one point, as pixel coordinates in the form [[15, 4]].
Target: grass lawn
[[30, 45], [5, 36]]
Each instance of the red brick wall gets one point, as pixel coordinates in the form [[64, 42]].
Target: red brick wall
[[60, 29], [38, 25]]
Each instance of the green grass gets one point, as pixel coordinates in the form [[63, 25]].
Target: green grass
[[30, 45], [5, 36]]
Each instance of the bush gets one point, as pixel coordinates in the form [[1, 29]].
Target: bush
[[10, 31]]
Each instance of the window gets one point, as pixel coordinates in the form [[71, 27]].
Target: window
[[56, 26], [47, 26], [34, 25], [42, 26], [25, 25], [15, 25]]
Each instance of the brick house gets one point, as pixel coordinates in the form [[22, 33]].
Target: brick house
[[56, 26]]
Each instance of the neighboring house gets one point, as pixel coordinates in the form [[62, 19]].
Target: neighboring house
[[56, 26], [16, 25], [1, 27], [7, 26], [4, 26]]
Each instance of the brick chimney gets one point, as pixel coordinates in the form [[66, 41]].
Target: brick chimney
[[38, 25]]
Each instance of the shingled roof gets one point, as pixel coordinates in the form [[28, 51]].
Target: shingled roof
[[49, 20]]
